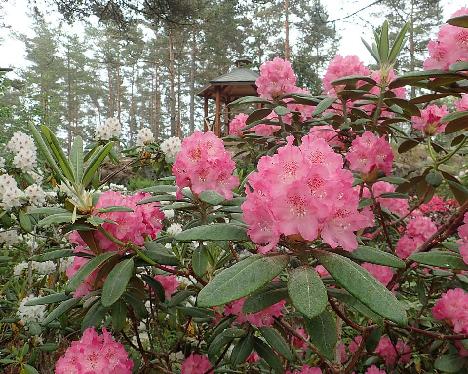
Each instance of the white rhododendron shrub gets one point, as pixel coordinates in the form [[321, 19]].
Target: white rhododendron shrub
[[303, 241]]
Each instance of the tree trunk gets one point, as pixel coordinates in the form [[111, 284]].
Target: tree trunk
[[172, 93], [69, 103], [132, 114], [411, 47], [192, 82], [287, 49]]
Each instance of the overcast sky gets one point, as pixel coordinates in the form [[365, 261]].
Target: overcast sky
[[15, 17]]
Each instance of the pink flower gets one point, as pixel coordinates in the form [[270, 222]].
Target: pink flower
[[94, 353], [276, 78], [320, 269], [451, 307], [237, 124], [369, 153], [306, 370], [263, 318], [328, 133], [462, 104], [375, 370], [397, 206], [429, 121], [203, 164], [391, 353], [406, 246], [354, 345], [169, 283], [300, 343], [383, 274], [302, 192], [418, 230], [463, 242], [451, 45], [304, 112], [437, 204], [196, 364], [253, 357], [341, 67]]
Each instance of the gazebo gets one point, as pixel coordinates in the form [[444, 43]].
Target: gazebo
[[238, 82]]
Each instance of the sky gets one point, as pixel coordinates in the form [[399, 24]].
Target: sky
[[15, 17]]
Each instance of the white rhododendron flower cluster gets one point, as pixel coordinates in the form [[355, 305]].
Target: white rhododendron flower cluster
[[35, 194], [110, 129], [2, 165], [144, 137], [27, 314], [10, 237], [40, 268], [10, 194], [174, 229], [24, 149], [169, 213], [170, 147]]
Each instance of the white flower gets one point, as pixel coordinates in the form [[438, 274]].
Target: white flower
[[2, 165], [10, 194], [174, 229], [35, 194], [37, 177], [43, 268], [144, 137], [22, 145], [65, 263], [169, 213], [33, 313], [20, 268], [110, 129], [170, 147], [10, 237]]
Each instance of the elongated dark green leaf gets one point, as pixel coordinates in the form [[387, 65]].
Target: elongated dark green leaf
[[443, 259], [261, 300], [52, 255], [242, 350], [56, 219], [383, 43], [87, 269], [277, 342], [258, 115], [45, 151], [241, 279], [28, 369], [196, 312], [353, 79], [249, 100], [162, 188], [307, 292], [363, 286], [461, 21], [407, 145], [116, 282], [49, 299], [60, 310], [57, 151], [93, 316], [47, 210], [155, 285], [77, 158], [451, 363], [25, 221], [398, 43], [211, 197], [322, 333], [200, 260], [352, 302], [95, 162], [323, 105], [265, 352], [376, 256], [157, 252], [119, 315], [215, 232], [115, 208]]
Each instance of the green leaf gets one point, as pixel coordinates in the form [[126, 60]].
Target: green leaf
[[214, 232], [263, 299], [281, 110], [451, 363], [155, 285], [371, 50], [394, 180], [117, 281], [60, 310], [461, 21], [95, 162], [352, 302], [258, 115], [56, 219], [394, 195], [87, 269], [211, 197], [363, 286], [164, 188], [94, 316], [200, 260], [49, 299], [47, 210], [52, 255], [277, 342], [383, 43], [323, 105], [119, 315], [196, 312], [376, 256], [77, 158], [28, 369], [242, 350], [25, 221], [353, 79], [249, 100], [265, 352], [406, 105], [241, 279], [322, 333], [157, 252], [56, 149], [115, 208], [398, 44], [307, 292], [443, 259], [407, 145]]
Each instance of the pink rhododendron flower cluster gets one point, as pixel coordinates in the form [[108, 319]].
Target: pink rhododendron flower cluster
[[320, 269], [463, 242], [383, 274], [303, 192], [329, 134], [169, 283], [196, 364], [370, 154], [394, 205], [87, 286], [375, 370], [240, 121], [276, 78], [300, 343], [451, 45], [95, 353], [429, 121], [437, 204], [418, 230], [452, 307], [340, 67], [306, 370], [462, 104], [237, 124], [203, 164], [391, 353], [304, 111], [355, 343], [262, 318]]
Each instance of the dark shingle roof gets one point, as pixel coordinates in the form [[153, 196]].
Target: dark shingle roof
[[237, 75]]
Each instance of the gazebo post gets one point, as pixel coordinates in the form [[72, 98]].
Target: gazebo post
[[226, 115], [205, 118], [217, 121]]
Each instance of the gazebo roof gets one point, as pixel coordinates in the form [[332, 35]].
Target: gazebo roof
[[238, 82]]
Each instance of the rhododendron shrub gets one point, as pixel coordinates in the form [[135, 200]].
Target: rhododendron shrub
[[305, 241]]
